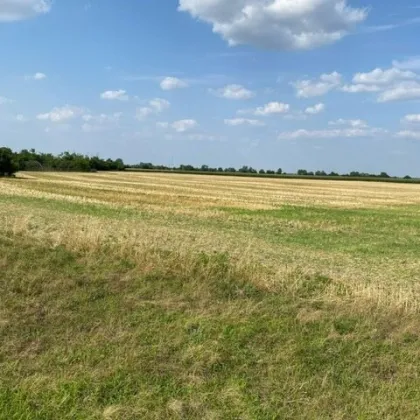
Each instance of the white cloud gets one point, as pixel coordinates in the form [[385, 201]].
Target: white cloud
[[383, 77], [316, 109], [272, 108], [408, 134], [162, 124], [277, 24], [143, 112], [103, 118], [332, 133], [36, 76], [411, 118], [182, 126], [101, 122], [159, 105], [14, 10], [170, 83], [311, 88], [156, 106], [351, 123], [243, 121], [58, 115], [115, 95], [359, 88], [401, 92], [412, 63], [20, 118], [235, 92]]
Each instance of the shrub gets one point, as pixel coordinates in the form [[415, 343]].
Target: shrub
[[8, 165]]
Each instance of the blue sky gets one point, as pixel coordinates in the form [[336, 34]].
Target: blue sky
[[315, 84]]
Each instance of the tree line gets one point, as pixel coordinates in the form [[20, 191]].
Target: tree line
[[31, 160], [251, 170]]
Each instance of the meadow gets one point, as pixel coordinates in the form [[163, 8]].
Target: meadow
[[169, 296]]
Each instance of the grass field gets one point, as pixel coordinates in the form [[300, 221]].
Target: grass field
[[155, 296]]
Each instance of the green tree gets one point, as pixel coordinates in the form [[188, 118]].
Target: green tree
[[8, 166]]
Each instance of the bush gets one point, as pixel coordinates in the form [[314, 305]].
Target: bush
[[8, 165]]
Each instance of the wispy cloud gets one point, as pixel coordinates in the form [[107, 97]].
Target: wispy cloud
[[390, 26]]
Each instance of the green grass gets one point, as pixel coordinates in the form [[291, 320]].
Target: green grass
[[91, 337]]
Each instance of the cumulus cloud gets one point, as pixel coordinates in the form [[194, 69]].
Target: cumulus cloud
[[277, 24], [58, 115], [234, 92], [401, 92], [310, 88], [14, 10], [393, 84], [100, 123], [411, 118], [383, 77], [360, 88], [155, 106], [170, 83], [272, 108], [36, 76], [243, 121], [182, 126], [316, 109], [351, 123], [115, 95], [159, 105], [331, 133]]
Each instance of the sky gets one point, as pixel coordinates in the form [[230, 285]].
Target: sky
[[299, 84]]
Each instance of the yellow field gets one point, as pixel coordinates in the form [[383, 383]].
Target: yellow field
[[361, 235]]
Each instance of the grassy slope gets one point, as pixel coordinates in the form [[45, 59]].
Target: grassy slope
[[103, 331]]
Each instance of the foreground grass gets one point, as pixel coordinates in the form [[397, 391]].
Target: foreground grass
[[134, 307], [90, 337]]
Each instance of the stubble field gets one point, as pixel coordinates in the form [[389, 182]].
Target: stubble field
[[155, 296]]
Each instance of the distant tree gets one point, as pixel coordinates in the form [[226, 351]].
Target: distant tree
[[384, 175], [320, 173], [270, 172], [333, 174], [8, 165], [408, 177], [188, 168], [261, 171], [119, 165], [302, 172], [279, 171]]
